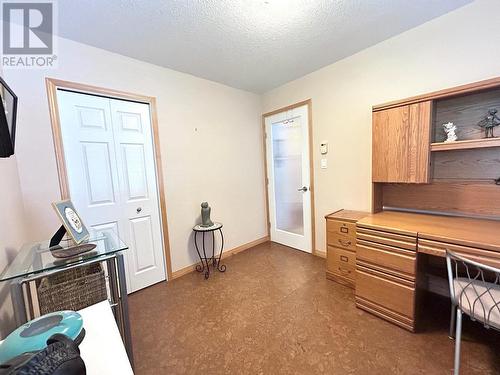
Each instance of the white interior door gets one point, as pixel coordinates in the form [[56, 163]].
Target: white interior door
[[109, 157], [287, 146]]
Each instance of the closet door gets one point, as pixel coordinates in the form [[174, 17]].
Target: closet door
[[139, 195], [108, 152]]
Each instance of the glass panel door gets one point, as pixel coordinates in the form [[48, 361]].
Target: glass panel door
[[287, 163], [289, 176]]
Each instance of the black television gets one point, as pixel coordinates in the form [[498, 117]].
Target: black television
[[8, 113]]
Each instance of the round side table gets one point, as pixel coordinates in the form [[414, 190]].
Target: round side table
[[214, 259]]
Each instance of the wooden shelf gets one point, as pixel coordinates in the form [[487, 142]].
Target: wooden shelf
[[464, 145]]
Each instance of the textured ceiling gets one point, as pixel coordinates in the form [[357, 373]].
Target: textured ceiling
[[254, 45]]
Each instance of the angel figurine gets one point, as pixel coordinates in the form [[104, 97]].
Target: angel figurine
[[449, 129], [489, 122]]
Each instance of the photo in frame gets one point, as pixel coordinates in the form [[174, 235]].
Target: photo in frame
[[71, 220], [8, 114]]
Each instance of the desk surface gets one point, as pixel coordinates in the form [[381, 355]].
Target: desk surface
[[480, 233], [346, 215]]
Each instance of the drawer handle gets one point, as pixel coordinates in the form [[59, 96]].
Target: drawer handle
[[343, 270], [344, 229], [344, 243], [343, 258]]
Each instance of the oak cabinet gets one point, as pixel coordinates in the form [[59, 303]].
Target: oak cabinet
[[341, 246], [401, 143]]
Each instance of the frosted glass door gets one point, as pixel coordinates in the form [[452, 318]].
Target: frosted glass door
[[287, 163], [287, 146]]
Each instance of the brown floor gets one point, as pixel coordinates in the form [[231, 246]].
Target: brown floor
[[273, 312]]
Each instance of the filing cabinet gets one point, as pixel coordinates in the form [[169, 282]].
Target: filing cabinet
[[341, 246]]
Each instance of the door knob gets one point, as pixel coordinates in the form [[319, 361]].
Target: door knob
[[139, 209], [303, 189]]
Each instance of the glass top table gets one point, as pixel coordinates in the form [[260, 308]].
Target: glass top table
[[37, 258]]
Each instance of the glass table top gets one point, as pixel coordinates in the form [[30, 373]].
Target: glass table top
[[37, 257]]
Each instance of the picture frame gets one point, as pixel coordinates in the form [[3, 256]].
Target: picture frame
[[71, 221], [8, 118]]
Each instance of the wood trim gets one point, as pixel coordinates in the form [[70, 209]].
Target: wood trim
[[319, 253], [57, 137], [311, 173], [81, 87], [226, 254], [161, 186], [340, 279], [287, 108], [308, 103], [266, 176], [52, 85], [441, 94]]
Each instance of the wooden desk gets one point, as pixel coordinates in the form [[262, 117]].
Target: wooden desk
[[388, 243]]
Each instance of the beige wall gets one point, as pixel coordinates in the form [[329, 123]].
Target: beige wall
[[210, 139], [454, 49], [12, 233]]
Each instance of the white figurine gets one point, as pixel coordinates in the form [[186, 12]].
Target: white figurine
[[449, 129]]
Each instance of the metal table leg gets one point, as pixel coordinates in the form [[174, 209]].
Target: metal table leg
[[199, 268], [114, 292], [16, 290], [215, 259], [221, 268], [124, 307]]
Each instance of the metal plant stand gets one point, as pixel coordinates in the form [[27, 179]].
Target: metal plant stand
[[214, 259]]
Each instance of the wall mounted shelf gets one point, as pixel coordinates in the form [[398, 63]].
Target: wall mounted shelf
[[467, 144]]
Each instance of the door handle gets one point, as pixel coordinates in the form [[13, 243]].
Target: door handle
[[303, 189], [139, 209]]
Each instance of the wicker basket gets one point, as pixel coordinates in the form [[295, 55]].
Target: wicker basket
[[74, 289]]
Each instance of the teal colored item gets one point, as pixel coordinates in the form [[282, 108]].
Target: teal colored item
[[33, 336]]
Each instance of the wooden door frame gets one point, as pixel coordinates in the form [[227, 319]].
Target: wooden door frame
[[307, 103], [52, 85]]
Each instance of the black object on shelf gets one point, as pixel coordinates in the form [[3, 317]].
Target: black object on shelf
[[57, 237]]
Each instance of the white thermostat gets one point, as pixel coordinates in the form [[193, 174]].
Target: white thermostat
[[323, 148]]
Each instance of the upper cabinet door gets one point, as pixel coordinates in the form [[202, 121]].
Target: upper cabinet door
[[401, 144]]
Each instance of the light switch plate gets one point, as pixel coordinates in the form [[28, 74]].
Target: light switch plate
[[324, 163]]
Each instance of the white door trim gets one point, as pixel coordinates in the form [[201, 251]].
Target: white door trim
[[52, 86], [307, 103]]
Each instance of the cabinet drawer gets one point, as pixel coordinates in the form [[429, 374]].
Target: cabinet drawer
[[341, 228], [388, 257], [437, 248], [387, 238], [334, 239], [388, 292], [341, 262]]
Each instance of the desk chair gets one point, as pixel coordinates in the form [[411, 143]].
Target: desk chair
[[475, 291]]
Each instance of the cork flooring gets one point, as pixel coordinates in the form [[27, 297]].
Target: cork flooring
[[273, 312]]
